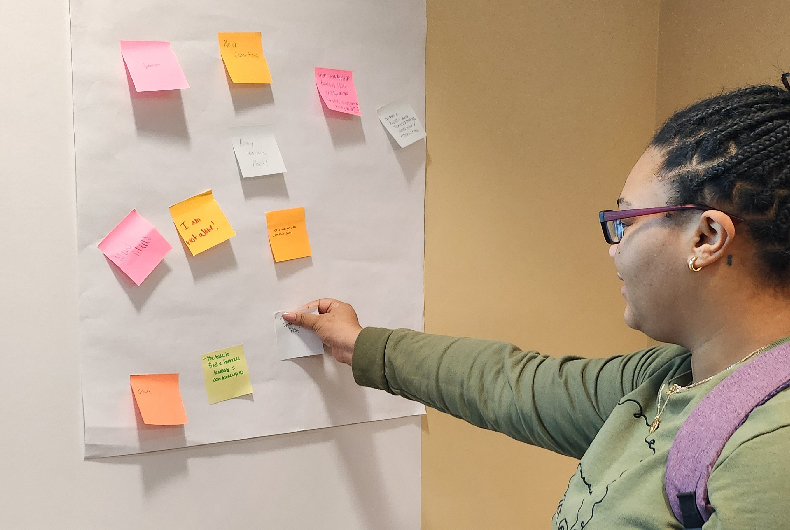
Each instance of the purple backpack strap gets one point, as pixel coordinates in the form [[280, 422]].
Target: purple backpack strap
[[718, 415]]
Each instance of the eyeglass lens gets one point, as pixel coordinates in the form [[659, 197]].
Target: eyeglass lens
[[616, 229]]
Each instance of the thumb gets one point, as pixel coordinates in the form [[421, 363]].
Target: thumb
[[304, 320]]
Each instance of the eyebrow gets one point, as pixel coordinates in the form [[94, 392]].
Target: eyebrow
[[622, 202]]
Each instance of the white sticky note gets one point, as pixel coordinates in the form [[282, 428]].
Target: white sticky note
[[402, 123], [257, 151], [293, 341]]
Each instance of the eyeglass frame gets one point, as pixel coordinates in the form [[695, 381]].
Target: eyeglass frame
[[607, 216]]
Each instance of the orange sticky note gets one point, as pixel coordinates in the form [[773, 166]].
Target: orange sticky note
[[158, 398], [288, 234], [242, 54], [201, 223]]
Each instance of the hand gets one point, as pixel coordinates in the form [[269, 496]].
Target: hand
[[336, 325]]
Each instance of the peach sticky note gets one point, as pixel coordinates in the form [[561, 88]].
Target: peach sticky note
[[135, 246], [288, 234], [201, 223], [337, 90], [226, 374], [242, 54], [153, 65], [158, 398]]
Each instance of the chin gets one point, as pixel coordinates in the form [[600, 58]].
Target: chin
[[630, 320]]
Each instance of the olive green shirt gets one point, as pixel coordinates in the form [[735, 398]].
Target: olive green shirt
[[595, 410]]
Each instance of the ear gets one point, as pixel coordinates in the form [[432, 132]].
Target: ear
[[713, 234]]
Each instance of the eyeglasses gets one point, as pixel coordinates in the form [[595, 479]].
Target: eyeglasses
[[612, 220]]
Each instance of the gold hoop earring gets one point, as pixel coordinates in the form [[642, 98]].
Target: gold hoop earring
[[692, 268]]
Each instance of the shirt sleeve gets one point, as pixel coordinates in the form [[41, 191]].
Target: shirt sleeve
[[750, 488], [555, 403]]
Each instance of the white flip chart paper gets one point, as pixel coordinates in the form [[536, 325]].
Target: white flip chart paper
[[151, 150]]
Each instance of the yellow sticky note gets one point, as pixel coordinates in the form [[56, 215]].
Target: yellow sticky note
[[201, 223], [288, 234], [226, 374], [242, 54], [158, 398]]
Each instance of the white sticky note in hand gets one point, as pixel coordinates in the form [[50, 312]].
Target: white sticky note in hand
[[257, 151], [293, 341], [402, 123]]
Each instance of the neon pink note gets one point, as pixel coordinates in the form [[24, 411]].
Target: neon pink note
[[337, 90], [135, 246], [153, 65]]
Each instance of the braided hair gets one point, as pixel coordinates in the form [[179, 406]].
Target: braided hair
[[733, 151]]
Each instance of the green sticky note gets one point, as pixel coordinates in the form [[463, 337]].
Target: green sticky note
[[226, 374]]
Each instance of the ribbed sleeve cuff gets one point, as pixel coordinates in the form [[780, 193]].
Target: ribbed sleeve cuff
[[367, 363]]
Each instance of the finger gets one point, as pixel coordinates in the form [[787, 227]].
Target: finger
[[304, 320], [309, 306], [327, 305]]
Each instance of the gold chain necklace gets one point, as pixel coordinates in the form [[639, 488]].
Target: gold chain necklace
[[674, 389]]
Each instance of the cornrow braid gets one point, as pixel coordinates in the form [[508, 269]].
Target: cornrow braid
[[733, 151]]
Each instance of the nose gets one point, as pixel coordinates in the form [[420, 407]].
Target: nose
[[612, 250]]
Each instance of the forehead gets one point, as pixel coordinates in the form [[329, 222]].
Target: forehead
[[642, 188]]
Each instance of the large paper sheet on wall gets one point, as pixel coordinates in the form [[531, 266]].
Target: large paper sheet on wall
[[362, 195]]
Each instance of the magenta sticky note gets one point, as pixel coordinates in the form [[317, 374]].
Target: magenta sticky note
[[153, 65], [135, 246], [337, 90]]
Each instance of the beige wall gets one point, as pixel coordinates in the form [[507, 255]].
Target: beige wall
[[709, 46], [536, 111]]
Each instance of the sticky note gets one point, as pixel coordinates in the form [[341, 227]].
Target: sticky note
[[288, 234], [337, 90], [402, 123], [242, 54], [294, 341], [158, 398], [226, 374], [153, 65], [135, 246], [201, 223], [257, 151]]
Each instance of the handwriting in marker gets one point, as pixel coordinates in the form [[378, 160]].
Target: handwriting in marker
[[135, 246], [257, 151], [336, 88], [152, 65], [201, 222], [226, 374], [243, 56]]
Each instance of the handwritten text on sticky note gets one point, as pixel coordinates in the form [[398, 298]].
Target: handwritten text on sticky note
[[201, 223], [135, 246], [242, 54], [288, 234], [293, 341], [257, 151], [336, 88], [402, 123], [153, 65], [158, 398], [226, 374]]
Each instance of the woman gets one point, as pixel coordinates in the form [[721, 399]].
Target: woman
[[701, 242]]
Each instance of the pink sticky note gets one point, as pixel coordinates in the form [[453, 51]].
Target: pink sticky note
[[337, 90], [135, 246], [153, 65]]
